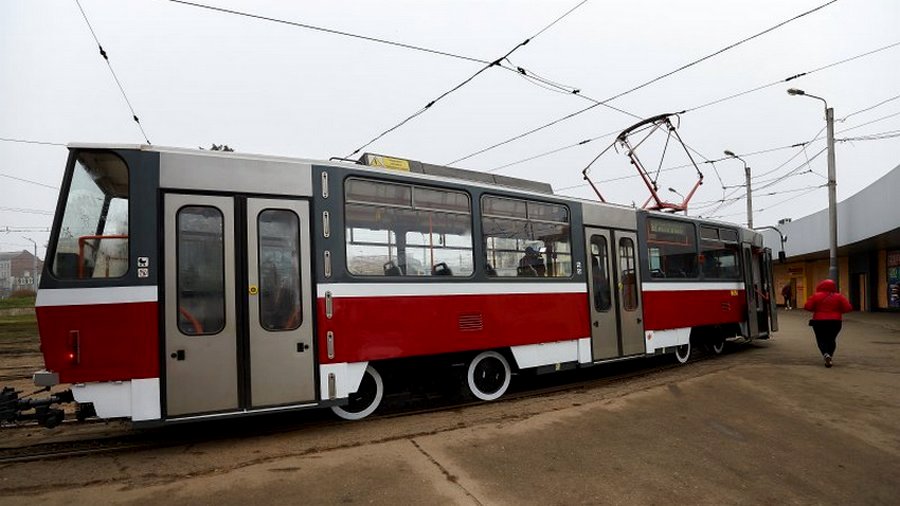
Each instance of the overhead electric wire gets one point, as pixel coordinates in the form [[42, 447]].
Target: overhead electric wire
[[644, 84], [717, 101], [26, 210], [879, 104], [29, 141], [113, 72], [330, 31], [29, 181], [496, 62]]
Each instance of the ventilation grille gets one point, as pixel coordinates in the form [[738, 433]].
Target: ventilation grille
[[471, 322]]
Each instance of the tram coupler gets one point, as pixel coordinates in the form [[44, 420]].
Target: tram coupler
[[14, 408]]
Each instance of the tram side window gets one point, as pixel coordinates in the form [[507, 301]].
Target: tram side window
[[600, 273], [93, 237], [718, 253], [672, 249], [525, 238], [395, 229], [628, 274], [279, 270], [201, 270]]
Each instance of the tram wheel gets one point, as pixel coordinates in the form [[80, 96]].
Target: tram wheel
[[717, 346], [365, 400], [683, 353], [488, 375]]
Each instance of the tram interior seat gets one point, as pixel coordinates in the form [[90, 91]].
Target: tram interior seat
[[391, 269], [441, 269], [489, 269]]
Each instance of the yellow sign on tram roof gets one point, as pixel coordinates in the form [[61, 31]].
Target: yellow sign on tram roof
[[387, 162]]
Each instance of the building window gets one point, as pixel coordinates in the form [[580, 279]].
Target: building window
[[395, 229], [672, 249], [525, 238]]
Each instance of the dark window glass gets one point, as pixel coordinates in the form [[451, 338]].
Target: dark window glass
[[279, 270], [496, 206], [201, 270], [600, 273], [93, 237], [425, 198], [516, 245], [373, 192], [728, 235], [627, 274], [429, 235], [719, 260], [709, 233], [672, 249]]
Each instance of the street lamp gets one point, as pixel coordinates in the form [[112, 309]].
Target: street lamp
[[34, 278], [832, 188], [749, 197]]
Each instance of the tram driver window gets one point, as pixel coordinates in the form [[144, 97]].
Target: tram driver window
[[93, 236], [395, 230], [526, 239], [672, 249]]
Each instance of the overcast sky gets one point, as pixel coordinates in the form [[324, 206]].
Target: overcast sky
[[197, 77]]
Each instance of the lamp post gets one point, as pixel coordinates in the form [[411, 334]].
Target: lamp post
[[832, 188], [34, 279], [749, 197]]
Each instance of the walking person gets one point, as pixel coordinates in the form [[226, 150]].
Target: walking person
[[786, 293], [827, 306]]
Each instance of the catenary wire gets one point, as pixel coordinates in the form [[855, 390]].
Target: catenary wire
[[463, 83], [113, 72], [642, 85], [717, 101], [29, 181], [330, 31]]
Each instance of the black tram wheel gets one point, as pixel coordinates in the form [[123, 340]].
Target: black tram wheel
[[365, 400], [488, 375], [717, 346]]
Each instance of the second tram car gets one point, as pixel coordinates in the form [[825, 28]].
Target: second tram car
[[189, 285]]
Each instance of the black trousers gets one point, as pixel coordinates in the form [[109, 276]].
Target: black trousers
[[826, 335]]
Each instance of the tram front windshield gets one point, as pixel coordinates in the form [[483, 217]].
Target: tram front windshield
[[92, 241]]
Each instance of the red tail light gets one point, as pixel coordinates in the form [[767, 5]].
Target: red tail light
[[74, 354]]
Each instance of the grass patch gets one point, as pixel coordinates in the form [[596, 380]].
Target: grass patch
[[16, 302], [17, 327]]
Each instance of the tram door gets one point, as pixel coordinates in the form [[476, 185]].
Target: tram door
[[752, 290], [238, 317], [614, 291]]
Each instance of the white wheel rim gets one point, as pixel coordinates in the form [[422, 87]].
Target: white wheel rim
[[472, 380], [718, 347], [379, 393], [687, 353]]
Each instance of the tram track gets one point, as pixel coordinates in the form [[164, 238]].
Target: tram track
[[151, 439]]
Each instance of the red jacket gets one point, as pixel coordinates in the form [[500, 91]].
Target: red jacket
[[827, 303]]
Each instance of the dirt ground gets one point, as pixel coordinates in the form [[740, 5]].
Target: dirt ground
[[765, 423]]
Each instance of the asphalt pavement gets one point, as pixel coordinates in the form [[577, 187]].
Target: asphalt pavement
[[766, 423]]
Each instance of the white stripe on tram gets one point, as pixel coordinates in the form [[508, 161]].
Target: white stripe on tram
[[88, 296], [681, 286], [424, 289]]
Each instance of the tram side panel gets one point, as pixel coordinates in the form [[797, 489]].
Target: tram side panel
[[407, 313]]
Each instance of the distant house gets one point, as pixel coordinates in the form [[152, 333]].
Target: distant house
[[17, 272]]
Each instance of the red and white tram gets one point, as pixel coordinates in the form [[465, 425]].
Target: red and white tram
[[188, 285]]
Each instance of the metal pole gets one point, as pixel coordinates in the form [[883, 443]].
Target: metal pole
[[749, 198], [832, 202], [34, 282]]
